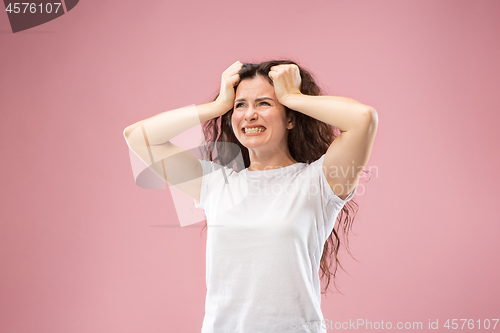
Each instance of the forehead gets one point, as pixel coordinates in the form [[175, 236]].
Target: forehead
[[254, 87]]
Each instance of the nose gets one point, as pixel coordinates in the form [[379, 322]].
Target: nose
[[250, 114]]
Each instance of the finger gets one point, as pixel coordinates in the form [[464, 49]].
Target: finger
[[236, 66], [231, 71], [273, 70], [236, 76], [233, 80]]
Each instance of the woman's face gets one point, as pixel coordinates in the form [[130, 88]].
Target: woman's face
[[256, 105]]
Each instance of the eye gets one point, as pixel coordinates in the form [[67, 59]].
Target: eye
[[265, 103], [238, 105]]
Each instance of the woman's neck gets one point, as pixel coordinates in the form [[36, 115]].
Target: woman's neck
[[271, 160]]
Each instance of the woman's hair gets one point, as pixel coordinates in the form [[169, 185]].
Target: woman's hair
[[308, 140]]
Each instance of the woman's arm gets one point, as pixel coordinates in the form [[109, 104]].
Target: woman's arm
[[341, 112], [167, 125], [348, 154], [150, 139]]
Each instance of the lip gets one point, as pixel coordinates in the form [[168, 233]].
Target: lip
[[251, 134]]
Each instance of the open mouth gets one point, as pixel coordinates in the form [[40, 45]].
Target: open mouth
[[253, 130]]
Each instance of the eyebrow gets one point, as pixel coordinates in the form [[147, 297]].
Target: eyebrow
[[257, 100]]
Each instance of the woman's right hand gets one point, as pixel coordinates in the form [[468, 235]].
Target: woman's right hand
[[230, 78]]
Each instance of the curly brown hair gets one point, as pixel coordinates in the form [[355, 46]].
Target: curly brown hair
[[308, 140]]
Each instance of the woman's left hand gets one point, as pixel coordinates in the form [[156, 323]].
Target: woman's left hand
[[286, 80]]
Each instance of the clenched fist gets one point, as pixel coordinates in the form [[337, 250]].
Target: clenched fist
[[230, 78], [286, 80]]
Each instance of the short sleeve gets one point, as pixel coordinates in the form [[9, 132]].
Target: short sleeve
[[327, 191], [209, 176]]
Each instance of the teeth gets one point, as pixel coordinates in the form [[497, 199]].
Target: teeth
[[254, 130]]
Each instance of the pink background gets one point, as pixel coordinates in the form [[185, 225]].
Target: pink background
[[84, 249]]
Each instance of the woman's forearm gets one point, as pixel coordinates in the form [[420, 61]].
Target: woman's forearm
[[167, 125], [341, 112]]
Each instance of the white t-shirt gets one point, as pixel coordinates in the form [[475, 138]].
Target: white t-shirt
[[265, 238]]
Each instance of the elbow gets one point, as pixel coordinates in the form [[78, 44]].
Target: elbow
[[369, 120], [126, 133], [371, 116]]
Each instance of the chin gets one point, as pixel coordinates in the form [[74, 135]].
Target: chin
[[250, 145]]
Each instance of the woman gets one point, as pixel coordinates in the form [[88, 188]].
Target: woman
[[272, 221]]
